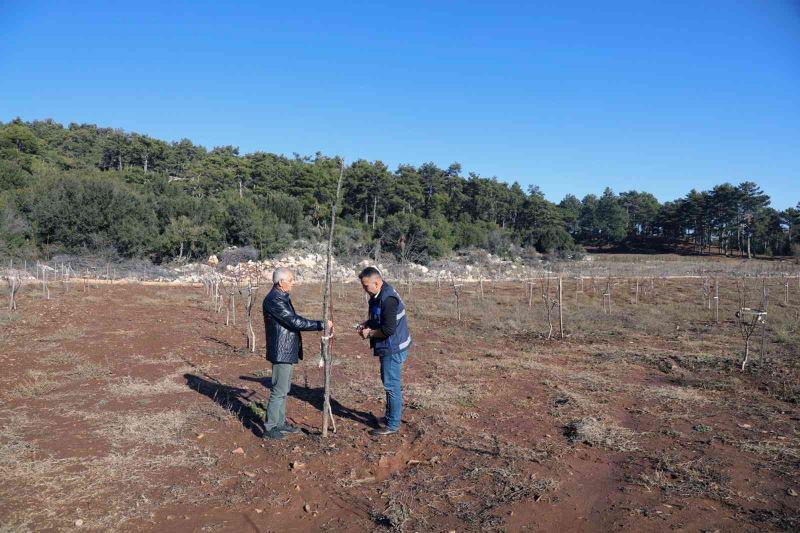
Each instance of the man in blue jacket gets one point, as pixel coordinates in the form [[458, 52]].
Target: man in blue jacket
[[284, 349], [389, 338]]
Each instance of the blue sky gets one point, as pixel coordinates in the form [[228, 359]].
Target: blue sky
[[646, 95]]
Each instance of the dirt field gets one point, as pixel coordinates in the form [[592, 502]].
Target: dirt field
[[131, 407]]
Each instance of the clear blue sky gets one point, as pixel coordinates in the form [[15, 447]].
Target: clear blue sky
[[647, 95]]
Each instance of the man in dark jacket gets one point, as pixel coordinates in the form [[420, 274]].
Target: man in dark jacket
[[389, 338], [284, 349]]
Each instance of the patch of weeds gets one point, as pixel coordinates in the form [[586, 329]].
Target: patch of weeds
[[596, 432], [466, 401], [682, 394], [66, 333], [416, 404], [441, 396], [702, 428], [138, 387], [7, 317], [500, 485], [258, 409], [87, 371], [163, 429], [781, 452], [36, 384], [61, 484], [696, 478], [669, 432], [60, 358], [394, 516], [568, 403]]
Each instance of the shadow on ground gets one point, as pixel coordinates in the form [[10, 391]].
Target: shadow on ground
[[314, 396], [233, 399]]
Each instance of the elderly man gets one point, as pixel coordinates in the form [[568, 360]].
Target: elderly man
[[389, 338], [284, 349]]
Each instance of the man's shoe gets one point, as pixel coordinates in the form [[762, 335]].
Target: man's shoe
[[289, 428], [380, 432], [275, 434]]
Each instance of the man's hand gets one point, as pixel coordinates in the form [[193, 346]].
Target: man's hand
[[330, 328], [364, 332]]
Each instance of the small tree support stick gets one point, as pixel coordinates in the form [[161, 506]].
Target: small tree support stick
[[327, 412]]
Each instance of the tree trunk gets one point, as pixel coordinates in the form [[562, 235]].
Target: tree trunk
[[749, 256]]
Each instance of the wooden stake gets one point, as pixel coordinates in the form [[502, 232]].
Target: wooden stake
[[327, 412], [560, 309]]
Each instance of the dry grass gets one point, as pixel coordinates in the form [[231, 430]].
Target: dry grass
[[68, 489], [137, 387], [67, 333], [35, 384], [442, 396], [8, 317], [597, 432], [60, 358], [569, 403], [164, 428], [86, 370], [695, 478], [786, 453], [680, 394]]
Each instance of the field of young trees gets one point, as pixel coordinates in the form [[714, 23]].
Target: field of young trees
[[547, 384], [89, 189], [616, 397]]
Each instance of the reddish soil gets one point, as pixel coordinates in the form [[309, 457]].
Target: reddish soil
[[128, 407]]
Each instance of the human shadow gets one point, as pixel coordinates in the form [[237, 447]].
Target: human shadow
[[233, 399], [315, 397]]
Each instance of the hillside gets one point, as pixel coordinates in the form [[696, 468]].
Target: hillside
[[93, 190]]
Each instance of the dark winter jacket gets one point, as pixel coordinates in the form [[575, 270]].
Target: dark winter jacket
[[283, 327]]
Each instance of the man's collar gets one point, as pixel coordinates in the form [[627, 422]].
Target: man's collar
[[380, 291]]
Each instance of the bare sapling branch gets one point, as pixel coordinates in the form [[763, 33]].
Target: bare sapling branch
[[456, 287], [12, 277], [549, 302], [325, 354], [748, 319], [251, 293]]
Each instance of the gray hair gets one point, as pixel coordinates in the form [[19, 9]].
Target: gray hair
[[280, 274]]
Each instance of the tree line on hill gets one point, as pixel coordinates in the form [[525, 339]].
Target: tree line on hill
[[87, 189]]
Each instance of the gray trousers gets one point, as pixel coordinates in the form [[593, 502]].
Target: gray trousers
[[276, 408]]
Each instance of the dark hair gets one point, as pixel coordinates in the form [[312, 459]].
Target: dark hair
[[370, 272]]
